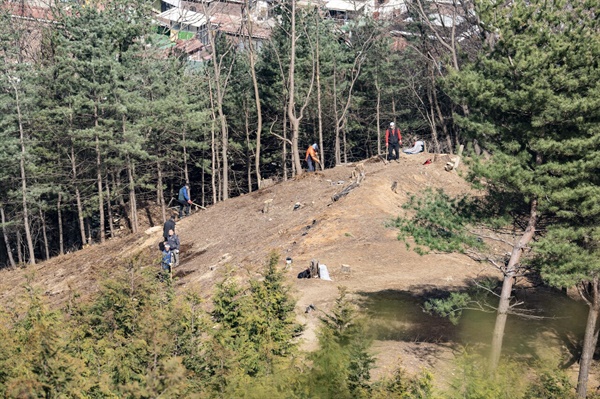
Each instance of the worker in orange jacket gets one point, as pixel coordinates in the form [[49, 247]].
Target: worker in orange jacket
[[311, 157]]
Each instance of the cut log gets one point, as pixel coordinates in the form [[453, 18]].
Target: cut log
[[345, 191]]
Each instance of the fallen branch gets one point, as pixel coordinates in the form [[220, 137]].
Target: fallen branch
[[199, 206], [345, 191]]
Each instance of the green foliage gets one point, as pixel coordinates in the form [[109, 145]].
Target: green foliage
[[476, 297], [36, 361], [553, 384], [255, 329], [440, 223], [341, 366], [473, 381], [402, 385], [451, 307]]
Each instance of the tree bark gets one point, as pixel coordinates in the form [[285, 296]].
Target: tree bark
[[319, 105], [507, 284], [61, 240], [337, 144], [378, 114], [432, 117], [291, 111], [160, 194], [284, 147], [23, 177], [116, 181], [252, 59], [77, 195], [11, 260], [44, 234], [132, 198], [19, 248], [111, 224], [220, 86], [248, 155], [213, 146], [186, 173], [99, 178], [590, 339], [296, 117]]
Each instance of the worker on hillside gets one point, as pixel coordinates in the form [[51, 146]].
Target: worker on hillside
[[184, 200], [393, 141], [166, 262], [311, 157], [169, 225], [173, 241]]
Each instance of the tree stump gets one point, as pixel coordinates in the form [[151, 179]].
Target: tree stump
[[267, 205], [314, 268]]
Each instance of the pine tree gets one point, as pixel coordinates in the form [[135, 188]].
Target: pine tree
[[532, 96], [342, 364]]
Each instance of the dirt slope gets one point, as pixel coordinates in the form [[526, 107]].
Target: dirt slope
[[237, 233]]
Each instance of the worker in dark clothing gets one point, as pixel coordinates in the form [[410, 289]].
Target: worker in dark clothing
[[311, 157], [393, 141], [166, 261], [169, 225], [184, 200], [173, 241]]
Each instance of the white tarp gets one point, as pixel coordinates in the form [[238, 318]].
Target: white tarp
[[417, 148], [324, 273]]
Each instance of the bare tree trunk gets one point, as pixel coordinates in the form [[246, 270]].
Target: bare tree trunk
[[11, 260], [44, 234], [507, 284], [345, 143], [341, 118], [319, 105], [186, 174], [111, 224], [160, 194], [291, 111], [213, 146], [89, 229], [219, 177], [252, 59], [220, 88], [23, 176], [434, 135], [296, 117], [132, 198], [284, 149], [378, 114], [116, 181], [337, 143], [99, 178], [77, 195], [590, 339], [202, 187], [248, 156], [61, 240], [19, 248]]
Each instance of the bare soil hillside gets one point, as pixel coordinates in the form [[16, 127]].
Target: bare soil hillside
[[237, 234]]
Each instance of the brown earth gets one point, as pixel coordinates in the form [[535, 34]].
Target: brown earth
[[236, 234]]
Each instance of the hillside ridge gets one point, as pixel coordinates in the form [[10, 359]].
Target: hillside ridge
[[237, 235]]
